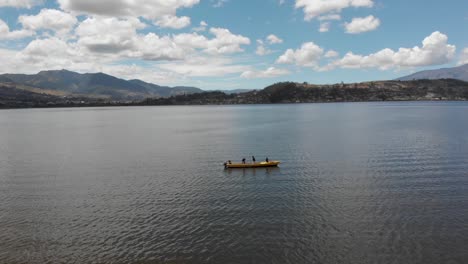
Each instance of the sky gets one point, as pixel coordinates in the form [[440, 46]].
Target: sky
[[234, 44]]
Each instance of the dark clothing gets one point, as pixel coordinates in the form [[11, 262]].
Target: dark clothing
[[266, 159], [243, 160], [253, 159]]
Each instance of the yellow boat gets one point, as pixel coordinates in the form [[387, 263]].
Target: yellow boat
[[262, 164]]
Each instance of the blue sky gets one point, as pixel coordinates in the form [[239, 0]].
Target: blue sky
[[232, 44]]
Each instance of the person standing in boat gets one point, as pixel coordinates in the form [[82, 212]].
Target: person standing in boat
[[253, 159], [243, 161], [266, 159]]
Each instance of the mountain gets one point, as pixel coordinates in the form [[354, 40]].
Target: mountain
[[290, 92], [460, 73], [13, 95], [96, 85]]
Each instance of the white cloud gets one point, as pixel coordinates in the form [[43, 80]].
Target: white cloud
[[41, 48], [20, 3], [362, 24], [10, 61], [52, 19], [314, 8], [120, 37], [53, 54], [308, 55], [108, 35], [5, 32], [154, 47], [272, 39], [464, 57], [261, 49], [434, 51], [170, 21], [331, 54], [225, 42], [152, 10], [268, 73], [281, 2], [202, 26], [324, 27], [269, 40], [204, 67]]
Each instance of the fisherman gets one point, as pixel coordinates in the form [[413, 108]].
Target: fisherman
[[253, 159], [243, 161], [266, 159]]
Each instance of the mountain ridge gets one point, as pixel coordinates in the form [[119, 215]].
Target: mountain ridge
[[99, 85], [459, 73]]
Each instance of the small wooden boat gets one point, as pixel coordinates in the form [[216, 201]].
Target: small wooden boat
[[262, 164]]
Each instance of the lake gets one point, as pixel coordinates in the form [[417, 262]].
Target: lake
[[358, 183]]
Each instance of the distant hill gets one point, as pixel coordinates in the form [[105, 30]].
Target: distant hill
[[67, 88], [290, 92], [459, 73], [95, 85]]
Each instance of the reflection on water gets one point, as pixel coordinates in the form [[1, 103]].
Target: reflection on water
[[358, 183], [261, 172]]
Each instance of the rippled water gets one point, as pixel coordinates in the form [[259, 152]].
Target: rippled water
[[358, 183]]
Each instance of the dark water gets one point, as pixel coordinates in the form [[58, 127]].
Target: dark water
[[359, 183]]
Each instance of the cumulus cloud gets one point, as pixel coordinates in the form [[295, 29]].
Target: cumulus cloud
[[120, 37], [51, 19], [261, 49], [20, 3], [40, 48], [464, 57], [108, 35], [362, 24], [152, 10], [271, 72], [202, 26], [308, 55], [434, 51], [269, 40], [225, 42], [155, 48], [52, 54], [169, 21], [331, 54], [6, 34], [314, 8], [272, 39]]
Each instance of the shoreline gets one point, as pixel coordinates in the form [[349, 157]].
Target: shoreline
[[220, 104]]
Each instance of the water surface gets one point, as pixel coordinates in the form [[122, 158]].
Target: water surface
[[358, 183]]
